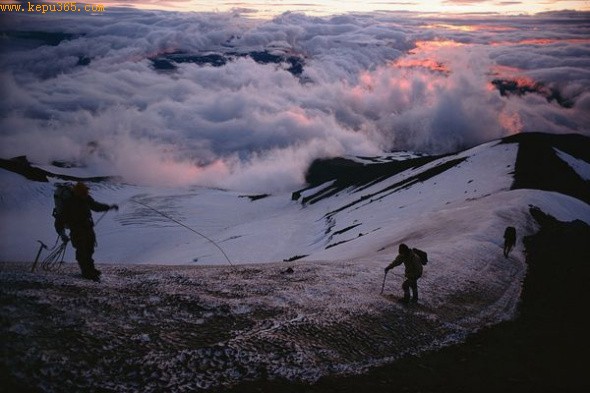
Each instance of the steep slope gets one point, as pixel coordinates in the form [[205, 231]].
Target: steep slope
[[207, 327]]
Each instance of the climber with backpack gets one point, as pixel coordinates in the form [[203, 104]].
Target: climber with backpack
[[73, 206], [509, 240], [413, 259]]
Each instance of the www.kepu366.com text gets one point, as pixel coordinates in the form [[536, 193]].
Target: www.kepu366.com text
[[52, 7]]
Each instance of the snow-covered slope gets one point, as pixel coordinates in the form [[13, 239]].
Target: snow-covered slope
[[337, 243], [463, 198]]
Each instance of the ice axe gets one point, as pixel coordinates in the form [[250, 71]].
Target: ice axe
[[41, 247]]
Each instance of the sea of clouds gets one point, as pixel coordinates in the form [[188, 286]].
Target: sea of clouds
[[370, 83]]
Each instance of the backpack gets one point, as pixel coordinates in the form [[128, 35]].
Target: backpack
[[61, 198], [422, 255]]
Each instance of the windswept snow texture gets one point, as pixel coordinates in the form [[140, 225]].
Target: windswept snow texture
[[206, 327], [186, 328]]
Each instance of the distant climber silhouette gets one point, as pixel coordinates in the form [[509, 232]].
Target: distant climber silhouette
[[509, 240]]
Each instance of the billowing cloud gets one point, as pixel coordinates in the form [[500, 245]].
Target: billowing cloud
[[217, 99]]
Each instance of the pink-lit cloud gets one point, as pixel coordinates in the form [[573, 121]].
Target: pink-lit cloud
[[369, 83]]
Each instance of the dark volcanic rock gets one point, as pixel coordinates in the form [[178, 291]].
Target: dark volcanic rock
[[348, 173], [21, 165], [40, 37], [539, 167], [508, 87], [168, 61]]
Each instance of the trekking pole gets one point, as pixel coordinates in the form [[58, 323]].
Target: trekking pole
[[383, 286], [101, 217], [41, 247]]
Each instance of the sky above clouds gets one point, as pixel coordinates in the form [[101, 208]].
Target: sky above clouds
[[269, 8], [86, 88]]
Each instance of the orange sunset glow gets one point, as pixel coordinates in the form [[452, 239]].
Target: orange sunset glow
[[268, 9], [546, 41], [470, 28]]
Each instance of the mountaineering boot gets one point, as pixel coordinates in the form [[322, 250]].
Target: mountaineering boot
[[91, 274], [96, 275]]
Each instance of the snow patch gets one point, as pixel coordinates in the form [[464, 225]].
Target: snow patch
[[581, 167]]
